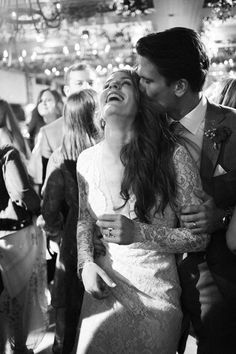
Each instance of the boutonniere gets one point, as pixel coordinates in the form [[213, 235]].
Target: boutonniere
[[218, 135]]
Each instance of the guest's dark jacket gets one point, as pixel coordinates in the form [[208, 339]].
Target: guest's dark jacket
[[18, 200]]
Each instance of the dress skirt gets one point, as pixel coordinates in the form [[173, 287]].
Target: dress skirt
[[142, 313]]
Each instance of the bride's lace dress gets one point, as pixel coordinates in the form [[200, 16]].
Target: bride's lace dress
[[142, 313]]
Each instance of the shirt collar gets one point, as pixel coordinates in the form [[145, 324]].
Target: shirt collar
[[194, 118]]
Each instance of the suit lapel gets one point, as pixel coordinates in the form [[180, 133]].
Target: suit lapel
[[210, 154]]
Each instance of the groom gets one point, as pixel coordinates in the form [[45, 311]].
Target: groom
[[173, 66]]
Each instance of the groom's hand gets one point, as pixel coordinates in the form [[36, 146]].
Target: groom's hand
[[117, 228], [204, 218]]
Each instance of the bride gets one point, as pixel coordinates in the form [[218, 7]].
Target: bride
[[131, 186]]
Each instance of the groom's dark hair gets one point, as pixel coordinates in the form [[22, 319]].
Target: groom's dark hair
[[177, 53]]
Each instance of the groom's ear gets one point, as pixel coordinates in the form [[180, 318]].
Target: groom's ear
[[181, 87]]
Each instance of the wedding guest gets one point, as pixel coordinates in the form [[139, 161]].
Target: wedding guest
[[132, 185], [231, 233], [60, 211], [23, 305], [49, 107], [10, 133], [227, 93], [77, 77], [35, 123], [173, 65]]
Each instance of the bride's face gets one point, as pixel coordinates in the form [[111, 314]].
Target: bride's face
[[119, 98]]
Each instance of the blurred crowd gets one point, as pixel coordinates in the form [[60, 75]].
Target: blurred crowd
[[41, 193]]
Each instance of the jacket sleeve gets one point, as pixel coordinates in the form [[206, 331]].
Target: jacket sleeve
[[18, 184], [53, 197]]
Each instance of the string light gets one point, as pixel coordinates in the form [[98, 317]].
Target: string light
[[221, 9]]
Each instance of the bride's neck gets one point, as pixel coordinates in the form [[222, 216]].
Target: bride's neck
[[115, 139]]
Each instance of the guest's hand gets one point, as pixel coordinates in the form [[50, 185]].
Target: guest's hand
[[204, 218], [96, 281], [40, 222], [117, 228]]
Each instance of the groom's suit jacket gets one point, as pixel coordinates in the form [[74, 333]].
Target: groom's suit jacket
[[222, 187]]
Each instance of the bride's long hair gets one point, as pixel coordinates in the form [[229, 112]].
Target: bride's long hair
[[149, 170]]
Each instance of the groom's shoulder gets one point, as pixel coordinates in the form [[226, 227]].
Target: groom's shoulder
[[228, 113]]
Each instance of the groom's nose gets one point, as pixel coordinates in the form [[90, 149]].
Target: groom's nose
[[142, 85]]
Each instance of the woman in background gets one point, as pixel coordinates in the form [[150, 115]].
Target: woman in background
[[227, 97], [60, 210], [49, 107], [36, 122], [223, 92], [10, 133], [23, 305], [227, 94]]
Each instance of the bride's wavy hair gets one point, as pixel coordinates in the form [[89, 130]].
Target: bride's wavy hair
[[148, 159]]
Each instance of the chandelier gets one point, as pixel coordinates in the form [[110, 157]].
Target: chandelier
[[21, 15], [221, 9], [39, 34]]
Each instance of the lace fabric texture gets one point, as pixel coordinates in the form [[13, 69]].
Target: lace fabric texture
[[23, 304], [142, 313]]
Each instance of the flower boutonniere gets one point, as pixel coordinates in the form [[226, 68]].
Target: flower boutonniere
[[218, 135]]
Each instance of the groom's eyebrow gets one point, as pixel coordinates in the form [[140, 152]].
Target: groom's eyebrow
[[145, 77], [137, 69]]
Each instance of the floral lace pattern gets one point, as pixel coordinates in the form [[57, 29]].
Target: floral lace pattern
[[178, 240], [24, 318], [142, 313]]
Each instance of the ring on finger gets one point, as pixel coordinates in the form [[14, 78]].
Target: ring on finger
[[194, 224], [110, 229]]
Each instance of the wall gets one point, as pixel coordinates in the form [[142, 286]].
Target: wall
[[13, 86], [174, 13]]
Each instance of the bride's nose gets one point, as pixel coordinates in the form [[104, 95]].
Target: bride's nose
[[115, 84]]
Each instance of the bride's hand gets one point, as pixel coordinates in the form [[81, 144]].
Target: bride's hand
[[96, 281], [117, 228]]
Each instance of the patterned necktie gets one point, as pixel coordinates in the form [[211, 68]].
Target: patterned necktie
[[177, 128], [188, 140]]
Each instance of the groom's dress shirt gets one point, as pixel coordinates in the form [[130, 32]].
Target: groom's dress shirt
[[194, 123]]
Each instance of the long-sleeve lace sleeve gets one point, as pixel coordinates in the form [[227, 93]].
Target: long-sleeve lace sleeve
[[85, 226], [178, 240]]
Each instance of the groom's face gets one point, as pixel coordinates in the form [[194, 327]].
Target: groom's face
[[154, 85]]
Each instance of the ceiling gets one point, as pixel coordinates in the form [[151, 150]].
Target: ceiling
[[46, 36]]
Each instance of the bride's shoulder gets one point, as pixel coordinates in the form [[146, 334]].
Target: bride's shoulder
[[87, 157]]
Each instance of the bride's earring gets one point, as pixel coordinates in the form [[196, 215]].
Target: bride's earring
[[103, 123]]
